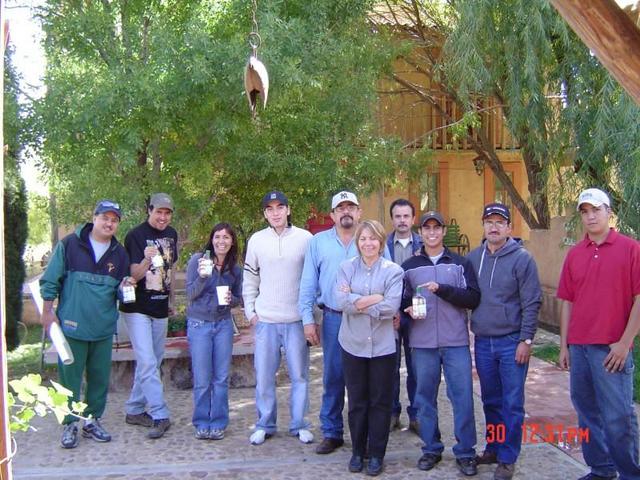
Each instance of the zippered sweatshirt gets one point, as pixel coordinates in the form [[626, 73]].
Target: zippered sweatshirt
[[87, 291], [446, 322], [511, 293]]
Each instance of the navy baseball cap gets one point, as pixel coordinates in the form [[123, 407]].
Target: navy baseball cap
[[108, 206], [274, 195], [432, 215], [497, 209]]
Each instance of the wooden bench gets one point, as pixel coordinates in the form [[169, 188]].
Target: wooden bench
[[454, 239], [176, 364]]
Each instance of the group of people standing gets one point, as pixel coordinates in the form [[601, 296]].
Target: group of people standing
[[371, 289]]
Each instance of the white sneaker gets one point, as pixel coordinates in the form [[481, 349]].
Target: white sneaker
[[305, 436], [258, 437]]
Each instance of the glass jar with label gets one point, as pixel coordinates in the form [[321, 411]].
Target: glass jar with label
[[128, 293], [419, 304], [206, 267]]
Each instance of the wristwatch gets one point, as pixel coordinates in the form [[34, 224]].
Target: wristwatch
[[527, 341]]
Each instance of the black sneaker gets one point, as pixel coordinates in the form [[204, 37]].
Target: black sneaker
[[428, 461], [467, 466], [374, 467], [70, 435], [160, 426], [96, 431], [143, 419], [356, 464]]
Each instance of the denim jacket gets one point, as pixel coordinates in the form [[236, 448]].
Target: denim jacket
[[202, 298]]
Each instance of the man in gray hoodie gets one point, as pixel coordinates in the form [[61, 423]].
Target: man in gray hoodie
[[504, 325]]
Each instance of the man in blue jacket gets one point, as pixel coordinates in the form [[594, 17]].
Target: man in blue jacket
[[403, 243], [504, 325], [85, 272], [440, 342]]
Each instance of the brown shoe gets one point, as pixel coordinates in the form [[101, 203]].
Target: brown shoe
[[504, 471], [143, 419], [487, 458], [328, 445], [159, 427]]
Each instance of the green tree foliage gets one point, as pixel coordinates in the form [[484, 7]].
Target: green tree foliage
[[30, 399], [38, 219], [560, 104], [15, 205], [147, 95]]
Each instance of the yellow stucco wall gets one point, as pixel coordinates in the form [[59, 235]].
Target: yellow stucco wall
[[462, 193], [466, 194]]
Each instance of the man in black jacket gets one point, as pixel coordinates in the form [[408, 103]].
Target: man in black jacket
[[440, 342]]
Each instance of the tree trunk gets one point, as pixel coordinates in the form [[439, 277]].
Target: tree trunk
[[485, 150]]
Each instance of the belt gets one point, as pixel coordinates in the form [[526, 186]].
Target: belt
[[330, 310]]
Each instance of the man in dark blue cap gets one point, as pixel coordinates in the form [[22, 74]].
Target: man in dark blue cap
[[85, 274], [271, 282], [439, 341], [504, 325]]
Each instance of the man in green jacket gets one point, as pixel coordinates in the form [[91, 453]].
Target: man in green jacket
[[86, 274]]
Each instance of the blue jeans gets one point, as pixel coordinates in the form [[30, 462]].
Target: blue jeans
[[456, 363], [604, 403], [332, 377], [147, 335], [270, 337], [502, 385], [211, 345], [403, 334]]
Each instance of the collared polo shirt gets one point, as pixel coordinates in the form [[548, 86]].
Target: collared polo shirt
[[317, 285], [601, 282], [402, 252], [368, 333]]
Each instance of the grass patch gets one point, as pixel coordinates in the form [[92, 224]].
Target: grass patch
[[550, 353], [26, 358]]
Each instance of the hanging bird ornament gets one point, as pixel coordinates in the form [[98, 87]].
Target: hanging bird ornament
[[256, 83], [256, 78]]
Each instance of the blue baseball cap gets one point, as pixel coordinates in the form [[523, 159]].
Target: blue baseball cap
[[108, 206], [497, 209], [274, 195]]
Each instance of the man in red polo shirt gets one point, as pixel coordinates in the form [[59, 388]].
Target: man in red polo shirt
[[600, 289]]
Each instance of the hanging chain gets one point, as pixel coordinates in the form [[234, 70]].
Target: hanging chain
[[254, 36]]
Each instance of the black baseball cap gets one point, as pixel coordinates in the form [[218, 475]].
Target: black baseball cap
[[432, 215], [274, 195], [108, 206], [497, 209]]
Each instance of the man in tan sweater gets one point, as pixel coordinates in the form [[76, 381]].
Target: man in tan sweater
[[272, 270]]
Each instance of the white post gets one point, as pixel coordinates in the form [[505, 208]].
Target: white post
[[5, 436]]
